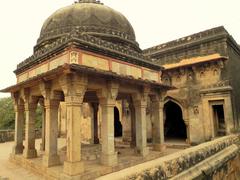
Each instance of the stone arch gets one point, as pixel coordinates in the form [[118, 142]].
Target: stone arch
[[183, 111]]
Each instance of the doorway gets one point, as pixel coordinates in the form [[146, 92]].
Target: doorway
[[117, 123], [219, 120], [174, 126]]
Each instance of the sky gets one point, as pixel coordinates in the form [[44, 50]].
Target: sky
[[154, 22]]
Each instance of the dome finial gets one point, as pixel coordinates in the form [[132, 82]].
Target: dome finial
[[89, 1]]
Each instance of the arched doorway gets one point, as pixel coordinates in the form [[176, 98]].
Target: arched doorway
[[117, 123], [174, 126]]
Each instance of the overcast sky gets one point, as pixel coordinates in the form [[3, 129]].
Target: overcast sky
[[154, 22]]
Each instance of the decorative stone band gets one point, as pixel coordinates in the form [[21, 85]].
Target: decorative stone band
[[93, 61], [174, 164]]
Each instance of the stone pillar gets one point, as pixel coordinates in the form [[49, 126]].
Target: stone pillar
[[19, 126], [51, 157], [107, 99], [51, 105], [133, 125], [74, 87], [42, 145], [228, 114], [30, 113], [126, 122], [95, 123], [158, 123], [140, 105], [186, 121]]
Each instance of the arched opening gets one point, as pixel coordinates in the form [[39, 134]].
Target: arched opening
[[117, 123], [174, 126]]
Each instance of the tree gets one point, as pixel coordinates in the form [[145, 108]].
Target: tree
[[7, 115]]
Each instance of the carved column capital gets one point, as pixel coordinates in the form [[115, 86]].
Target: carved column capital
[[108, 95], [30, 101], [140, 98], [17, 102], [74, 87], [73, 84]]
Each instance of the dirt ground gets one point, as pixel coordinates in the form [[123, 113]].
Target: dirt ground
[[11, 171]]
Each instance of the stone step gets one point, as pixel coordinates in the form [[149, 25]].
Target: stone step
[[178, 146]]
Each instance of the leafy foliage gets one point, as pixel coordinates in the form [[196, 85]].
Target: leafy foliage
[[7, 115]]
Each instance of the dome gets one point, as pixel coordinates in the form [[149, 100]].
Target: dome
[[90, 17]]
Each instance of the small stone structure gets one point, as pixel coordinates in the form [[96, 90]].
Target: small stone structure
[[86, 58], [95, 84]]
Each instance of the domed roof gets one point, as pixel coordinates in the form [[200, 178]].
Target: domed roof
[[90, 17]]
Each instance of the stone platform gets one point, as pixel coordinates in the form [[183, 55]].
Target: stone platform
[[91, 158]]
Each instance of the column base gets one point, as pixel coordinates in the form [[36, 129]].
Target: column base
[[159, 147], [96, 141], [64, 176], [42, 147], [109, 159], [143, 152], [73, 168], [30, 153], [49, 160], [17, 149], [133, 144]]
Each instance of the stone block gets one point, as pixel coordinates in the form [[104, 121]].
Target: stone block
[[109, 159], [49, 160], [143, 151], [73, 168], [159, 147], [30, 153], [17, 149]]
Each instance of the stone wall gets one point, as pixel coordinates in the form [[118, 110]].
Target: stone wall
[[217, 159], [200, 44], [233, 69], [8, 135], [221, 77]]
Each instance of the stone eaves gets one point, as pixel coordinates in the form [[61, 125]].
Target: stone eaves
[[68, 68], [89, 43], [194, 60]]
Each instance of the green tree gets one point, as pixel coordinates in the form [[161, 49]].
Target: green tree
[[7, 115]]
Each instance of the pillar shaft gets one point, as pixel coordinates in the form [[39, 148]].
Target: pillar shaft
[[108, 155], [141, 127], [74, 87], [30, 112], [51, 157], [19, 125], [158, 126], [95, 123], [133, 125], [73, 164], [43, 128], [107, 98]]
